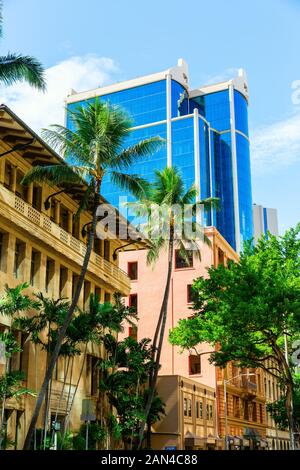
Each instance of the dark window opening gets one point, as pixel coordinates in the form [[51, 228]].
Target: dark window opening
[[182, 261], [133, 270], [194, 364]]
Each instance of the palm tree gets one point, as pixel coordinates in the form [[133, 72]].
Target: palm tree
[[169, 200], [96, 145], [16, 67]]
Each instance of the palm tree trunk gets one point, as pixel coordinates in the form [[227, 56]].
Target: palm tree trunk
[[62, 332], [162, 320], [66, 423]]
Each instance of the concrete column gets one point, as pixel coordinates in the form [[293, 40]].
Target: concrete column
[[57, 212], [2, 170], [14, 178], [70, 222], [30, 193], [55, 283], [42, 272], [10, 253], [27, 263]]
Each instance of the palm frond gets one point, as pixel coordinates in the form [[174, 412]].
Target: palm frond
[[16, 67], [130, 155], [133, 183], [54, 174], [84, 202]]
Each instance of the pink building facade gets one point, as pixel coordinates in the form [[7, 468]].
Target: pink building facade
[[147, 288]]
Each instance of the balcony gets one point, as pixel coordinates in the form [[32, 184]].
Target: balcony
[[249, 388], [40, 226]]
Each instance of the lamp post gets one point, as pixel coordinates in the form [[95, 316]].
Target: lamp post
[[225, 404]]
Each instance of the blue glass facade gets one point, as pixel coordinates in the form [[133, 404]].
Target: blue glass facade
[[147, 105]]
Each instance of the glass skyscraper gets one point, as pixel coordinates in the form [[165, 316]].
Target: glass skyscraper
[[206, 134]]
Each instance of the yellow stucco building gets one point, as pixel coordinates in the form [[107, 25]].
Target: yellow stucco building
[[41, 243]]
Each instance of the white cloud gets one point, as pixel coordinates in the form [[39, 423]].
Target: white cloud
[[38, 109], [222, 77], [276, 145]]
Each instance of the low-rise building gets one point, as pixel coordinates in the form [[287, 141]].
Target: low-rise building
[[42, 243]]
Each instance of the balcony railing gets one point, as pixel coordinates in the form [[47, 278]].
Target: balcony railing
[[112, 274]]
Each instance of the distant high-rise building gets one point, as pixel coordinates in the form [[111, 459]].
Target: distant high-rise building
[[264, 220], [206, 133]]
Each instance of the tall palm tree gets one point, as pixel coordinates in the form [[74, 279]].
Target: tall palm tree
[[170, 201], [96, 146], [16, 67]]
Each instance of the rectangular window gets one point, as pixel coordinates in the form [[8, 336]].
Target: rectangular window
[[86, 294], [107, 297], [97, 246], [34, 267], [132, 332], [211, 413], [194, 364], [189, 408], [197, 409], [75, 279], [75, 226], [185, 413], [201, 409], [221, 257], [189, 293], [261, 413], [21, 190], [92, 373], [132, 270], [254, 412], [8, 176], [133, 301], [63, 277], [181, 261], [106, 250], [19, 258], [53, 203], [64, 215], [236, 407], [37, 197], [98, 293], [49, 274]]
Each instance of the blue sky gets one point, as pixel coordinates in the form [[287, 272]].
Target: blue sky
[[86, 44]]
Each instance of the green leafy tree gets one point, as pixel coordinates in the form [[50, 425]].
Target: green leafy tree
[[163, 206], [278, 411], [248, 309], [125, 375], [12, 302], [16, 67], [96, 146]]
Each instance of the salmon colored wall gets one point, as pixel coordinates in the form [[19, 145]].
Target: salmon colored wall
[[150, 287]]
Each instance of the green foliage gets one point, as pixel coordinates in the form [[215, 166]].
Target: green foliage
[[170, 198], [16, 67], [96, 436], [124, 377], [96, 146], [15, 301], [278, 410], [11, 385], [249, 306], [11, 344]]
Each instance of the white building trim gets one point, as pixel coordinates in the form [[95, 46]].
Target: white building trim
[[234, 170], [197, 153], [169, 118]]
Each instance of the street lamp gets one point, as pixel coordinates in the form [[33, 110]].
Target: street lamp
[[225, 404], [18, 147]]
